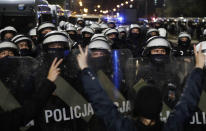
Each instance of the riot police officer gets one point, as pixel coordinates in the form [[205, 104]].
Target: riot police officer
[[80, 22], [8, 48], [156, 69], [43, 29], [55, 45], [184, 47], [87, 34], [112, 36], [24, 44], [135, 40], [8, 33]]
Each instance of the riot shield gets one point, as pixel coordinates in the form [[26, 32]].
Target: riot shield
[[171, 79], [16, 80], [71, 92], [73, 96]]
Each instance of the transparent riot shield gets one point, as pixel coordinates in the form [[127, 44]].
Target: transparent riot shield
[[171, 79], [16, 81]]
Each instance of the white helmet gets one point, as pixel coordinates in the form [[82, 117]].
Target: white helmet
[[80, 19], [79, 28], [156, 42], [8, 45], [104, 26], [98, 37], [20, 38], [16, 37], [71, 28], [32, 32], [204, 32], [132, 26], [45, 25], [121, 29], [56, 37], [111, 21], [184, 34], [163, 32], [62, 23], [95, 26], [152, 30], [110, 31], [8, 29], [99, 44], [88, 29]]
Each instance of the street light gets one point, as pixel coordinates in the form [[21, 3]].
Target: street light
[[118, 6], [86, 10], [131, 0], [80, 3], [95, 10], [114, 9], [126, 2], [98, 6], [122, 4]]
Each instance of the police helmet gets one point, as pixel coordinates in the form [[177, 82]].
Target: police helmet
[[8, 29], [71, 28], [152, 30], [95, 26], [104, 26], [184, 34], [46, 25], [56, 37], [132, 26], [121, 29], [110, 31], [7, 45], [98, 37], [20, 38], [99, 45], [162, 32], [80, 19], [32, 32], [156, 42], [88, 30]]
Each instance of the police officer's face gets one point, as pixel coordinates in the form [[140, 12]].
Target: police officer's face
[[153, 33], [23, 45], [135, 31], [158, 51], [184, 39], [96, 54], [71, 32], [122, 34], [8, 36], [45, 31], [111, 36], [56, 46], [6, 53], [87, 35]]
